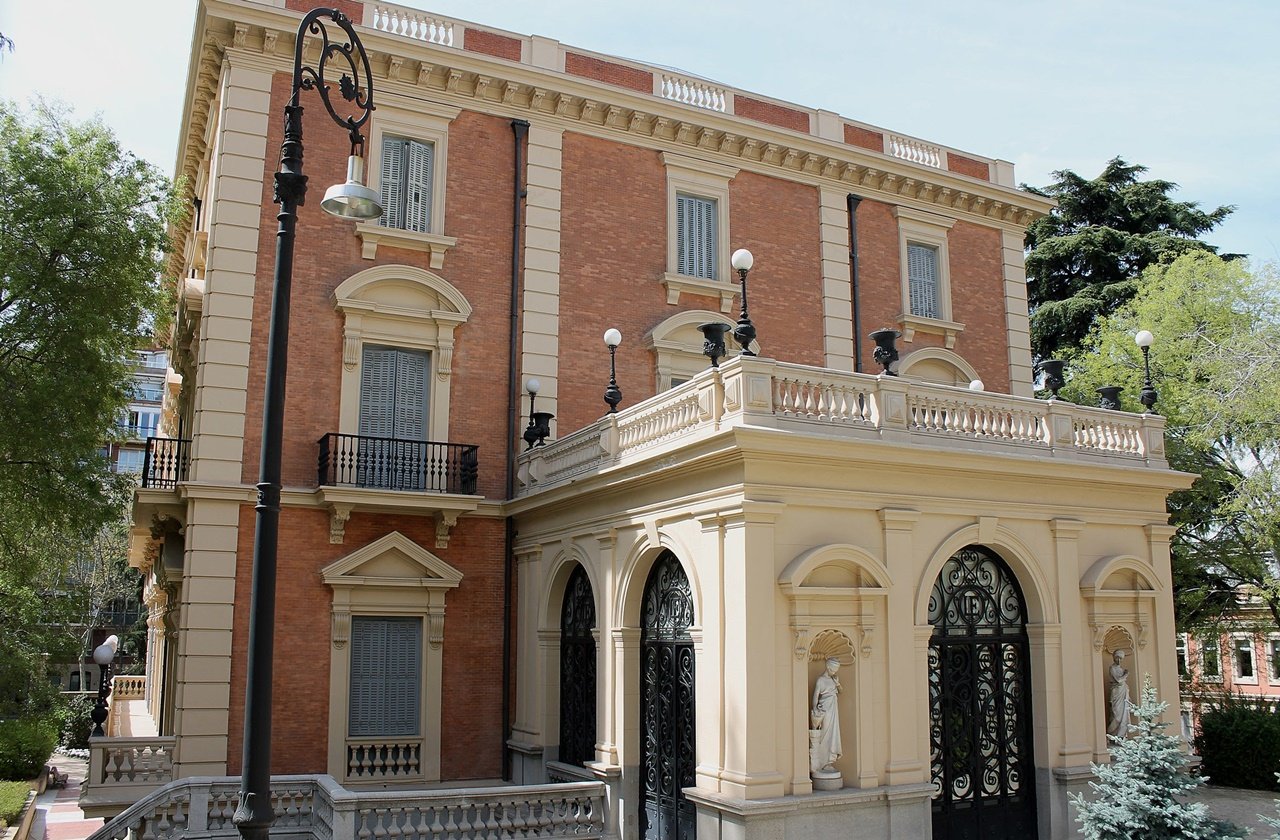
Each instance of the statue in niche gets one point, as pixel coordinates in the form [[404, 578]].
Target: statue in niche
[[824, 734], [1118, 696]]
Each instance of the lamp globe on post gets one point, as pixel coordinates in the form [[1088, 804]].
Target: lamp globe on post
[[1144, 339], [535, 434], [613, 394], [341, 69], [745, 332], [104, 654]]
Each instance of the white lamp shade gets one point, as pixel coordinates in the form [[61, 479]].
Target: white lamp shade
[[977, 385], [532, 385], [1144, 338], [352, 199], [742, 260], [105, 652], [612, 337]]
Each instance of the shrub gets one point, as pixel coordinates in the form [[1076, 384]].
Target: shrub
[[1239, 744], [74, 724], [25, 745], [13, 795]]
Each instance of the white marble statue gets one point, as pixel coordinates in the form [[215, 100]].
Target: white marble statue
[[824, 718], [1118, 696]]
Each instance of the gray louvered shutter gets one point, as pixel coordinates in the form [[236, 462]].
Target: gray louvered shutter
[[386, 677], [696, 233], [378, 392], [393, 175], [421, 157], [922, 277], [411, 395]]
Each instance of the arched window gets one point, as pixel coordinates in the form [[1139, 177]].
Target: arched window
[[578, 671]]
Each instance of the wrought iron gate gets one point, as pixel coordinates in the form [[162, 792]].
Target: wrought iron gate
[[979, 702], [577, 671], [666, 702]]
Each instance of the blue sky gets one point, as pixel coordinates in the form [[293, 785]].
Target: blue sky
[[1188, 89]]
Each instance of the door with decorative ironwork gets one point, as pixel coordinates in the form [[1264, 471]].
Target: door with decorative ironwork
[[979, 702], [578, 671], [667, 704]]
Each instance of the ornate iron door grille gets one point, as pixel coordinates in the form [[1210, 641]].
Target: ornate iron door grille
[[979, 702], [578, 671], [666, 702]]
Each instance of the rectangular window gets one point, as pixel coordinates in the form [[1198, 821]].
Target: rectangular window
[[407, 168], [922, 278], [1181, 649], [1273, 655], [1210, 658], [386, 677], [129, 460], [696, 236], [1242, 652]]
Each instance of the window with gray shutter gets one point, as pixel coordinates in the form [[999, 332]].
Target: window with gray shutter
[[407, 167], [393, 393], [922, 279], [696, 232], [386, 677]]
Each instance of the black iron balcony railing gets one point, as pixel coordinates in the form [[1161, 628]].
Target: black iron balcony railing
[[395, 464], [166, 462]]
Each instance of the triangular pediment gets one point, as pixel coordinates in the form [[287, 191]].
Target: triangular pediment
[[393, 560]]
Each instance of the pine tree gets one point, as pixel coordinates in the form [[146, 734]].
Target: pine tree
[[1140, 794]]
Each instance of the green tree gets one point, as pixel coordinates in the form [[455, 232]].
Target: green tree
[[1216, 363], [1085, 257], [1139, 795], [82, 237]]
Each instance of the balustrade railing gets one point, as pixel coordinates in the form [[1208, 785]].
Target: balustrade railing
[[396, 464], [128, 687], [318, 807], [417, 25], [913, 150], [797, 397], [693, 92], [166, 462], [384, 760]]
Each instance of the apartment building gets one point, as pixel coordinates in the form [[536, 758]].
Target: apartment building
[[631, 614]]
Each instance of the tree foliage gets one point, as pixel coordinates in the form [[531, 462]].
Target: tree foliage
[[1139, 795], [1086, 256], [82, 236], [1216, 363]]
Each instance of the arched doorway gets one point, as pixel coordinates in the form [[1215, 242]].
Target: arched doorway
[[979, 702], [578, 670], [666, 703]]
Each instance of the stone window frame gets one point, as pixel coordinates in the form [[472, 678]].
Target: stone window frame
[[1203, 643], [1236, 677], [384, 595], [1182, 654], [426, 123], [701, 179], [917, 227]]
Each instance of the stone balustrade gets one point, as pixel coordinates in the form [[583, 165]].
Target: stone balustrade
[[122, 770], [318, 807], [128, 687], [801, 399]]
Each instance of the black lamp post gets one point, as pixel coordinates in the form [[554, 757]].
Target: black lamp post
[[535, 434], [1144, 339], [353, 200], [713, 334], [745, 332], [104, 654], [613, 394]]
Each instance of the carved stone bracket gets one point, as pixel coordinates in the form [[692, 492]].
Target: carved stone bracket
[[445, 520], [341, 628], [338, 516], [435, 629]]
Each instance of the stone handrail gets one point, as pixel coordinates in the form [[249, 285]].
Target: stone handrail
[[128, 687], [666, 84], [318, 807], [764, 393]]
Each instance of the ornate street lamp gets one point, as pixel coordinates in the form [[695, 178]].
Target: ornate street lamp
[[613, 394], [745, 332], [104, 654], [535, 434], [351, 200], [1144, 339]]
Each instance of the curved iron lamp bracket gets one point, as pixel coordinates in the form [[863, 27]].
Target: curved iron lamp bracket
[[352, 72]]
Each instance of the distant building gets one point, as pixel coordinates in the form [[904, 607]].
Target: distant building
[[141, 419], [1243, 660]]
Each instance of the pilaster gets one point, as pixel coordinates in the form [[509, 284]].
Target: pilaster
[[540, 324], [1079, 694], [909, 712], [1017, 321], [837, 293]]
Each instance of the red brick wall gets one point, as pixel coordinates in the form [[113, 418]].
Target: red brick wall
[[491, 43], [866, 138], [351, 8], [968, 166], [614, 250], [621, 75], [471, 713], [977, 301], [327, 252], [768, 112], [879, 282]]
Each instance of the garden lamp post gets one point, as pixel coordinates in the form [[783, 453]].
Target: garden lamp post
[[613, 394], [1144, 339], [745, 332], [350, 200], [104, 654]]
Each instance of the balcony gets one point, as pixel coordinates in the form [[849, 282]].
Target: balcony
[[132, 759], [166, 463], [393, 475], [754, 393]]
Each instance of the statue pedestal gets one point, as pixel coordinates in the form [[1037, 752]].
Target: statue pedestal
[[823, 779], [827, 779]]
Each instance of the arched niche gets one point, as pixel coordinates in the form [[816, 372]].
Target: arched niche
[[677, 346], [1120, 591], [1042, 605], [938, 366]]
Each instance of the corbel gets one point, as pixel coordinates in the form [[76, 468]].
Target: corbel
[[445, 520]]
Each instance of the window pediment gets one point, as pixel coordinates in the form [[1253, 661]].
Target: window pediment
[[393, 560]]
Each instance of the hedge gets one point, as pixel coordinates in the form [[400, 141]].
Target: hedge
[[13, 795], [25, 746], [1239, 744]]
